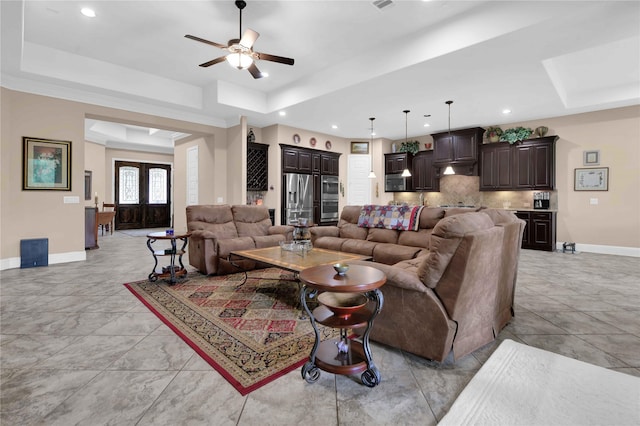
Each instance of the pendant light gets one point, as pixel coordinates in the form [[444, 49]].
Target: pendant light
[[406, 172], [372, 175], [449, 170]]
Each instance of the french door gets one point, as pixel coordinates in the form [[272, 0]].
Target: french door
[[143, 195]]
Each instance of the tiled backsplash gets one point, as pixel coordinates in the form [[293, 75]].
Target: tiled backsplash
[[465, 190]]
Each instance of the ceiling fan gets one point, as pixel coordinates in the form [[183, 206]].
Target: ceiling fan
[[241, 54]]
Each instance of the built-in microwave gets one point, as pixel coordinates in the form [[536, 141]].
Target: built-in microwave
[[395, 183]]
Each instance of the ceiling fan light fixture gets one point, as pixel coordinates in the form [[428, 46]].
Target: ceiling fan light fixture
[[239, 60]]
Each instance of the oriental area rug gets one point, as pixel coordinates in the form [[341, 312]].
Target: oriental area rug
[[251, 333]]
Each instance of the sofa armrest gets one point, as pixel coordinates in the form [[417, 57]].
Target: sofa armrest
[[203, 234], [323, 231], [286, 230]]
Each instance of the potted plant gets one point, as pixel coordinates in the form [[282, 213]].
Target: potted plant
[[494, 133], [516, 134], [412, 147]]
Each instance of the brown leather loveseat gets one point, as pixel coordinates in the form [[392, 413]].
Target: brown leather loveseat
[[217, 230]]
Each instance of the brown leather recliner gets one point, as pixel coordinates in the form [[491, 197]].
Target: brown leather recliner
[[217, 230]]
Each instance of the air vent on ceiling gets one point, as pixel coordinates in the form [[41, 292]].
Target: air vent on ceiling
[[381, 4]]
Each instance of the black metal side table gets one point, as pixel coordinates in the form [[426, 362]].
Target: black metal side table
[[172, 271]]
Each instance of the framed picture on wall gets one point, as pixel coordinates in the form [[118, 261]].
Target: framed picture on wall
[[591, 158], [46, 164], [593, 179], [359, 147]]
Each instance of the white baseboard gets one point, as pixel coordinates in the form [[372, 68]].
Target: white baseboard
[[615, 250], [72, 256]]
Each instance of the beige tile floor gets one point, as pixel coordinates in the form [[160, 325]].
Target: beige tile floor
[[77, 348]]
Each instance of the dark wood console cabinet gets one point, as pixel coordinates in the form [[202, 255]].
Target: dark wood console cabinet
[[539, 231], [424, 174], [257, 167]]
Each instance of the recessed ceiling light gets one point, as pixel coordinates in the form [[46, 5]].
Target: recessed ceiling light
[[88, 12], [427, 124], [282, 113], [333, 126], [506, 111]]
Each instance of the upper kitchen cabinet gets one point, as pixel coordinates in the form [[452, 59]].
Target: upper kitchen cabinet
[[396, 163], [329, 164], [495, 167], [526, 165], [458, 147], [296, 160], [534, 162], [423, 174]]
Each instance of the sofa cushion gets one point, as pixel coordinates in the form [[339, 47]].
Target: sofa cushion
[[458, 210], [380, 235], [216, 220], [418, 238], [251, 220], [429, 217], [225, 247], [390, 254], [329, 243], [262, 241], [363, 247], [445, 239], [349, 214], [351, 230]]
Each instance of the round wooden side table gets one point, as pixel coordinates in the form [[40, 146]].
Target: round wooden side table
[[344, 355]]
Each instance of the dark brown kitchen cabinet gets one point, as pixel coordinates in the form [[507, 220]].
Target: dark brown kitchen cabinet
[[539, 231], [296, 161], [310, 162], [424, 174], [495, 167], [257, 167], [457, 147], [329, 165], [534, 164], [396, 163]]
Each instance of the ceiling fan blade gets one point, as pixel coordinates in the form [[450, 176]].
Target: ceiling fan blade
[[213, 61], [255, 72], [248, 38], [274, 58], [201, 40]]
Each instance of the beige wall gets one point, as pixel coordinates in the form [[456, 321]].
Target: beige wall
[[42, 214], [94, 161]]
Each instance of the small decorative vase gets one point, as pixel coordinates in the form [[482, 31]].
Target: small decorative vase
[[394, 147], [251, 138], [541, 131], [494, 138]]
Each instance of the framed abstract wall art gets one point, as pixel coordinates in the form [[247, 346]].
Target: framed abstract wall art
[[46, 164]]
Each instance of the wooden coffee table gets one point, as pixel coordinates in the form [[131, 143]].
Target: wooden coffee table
[[297, 261]]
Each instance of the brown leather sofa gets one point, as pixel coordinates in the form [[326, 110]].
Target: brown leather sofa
[[455, 293], [217, 230]]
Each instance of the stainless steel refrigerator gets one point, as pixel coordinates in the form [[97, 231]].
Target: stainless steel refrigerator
[[299, 197]]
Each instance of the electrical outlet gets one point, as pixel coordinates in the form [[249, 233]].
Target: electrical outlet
[[593, 201]]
